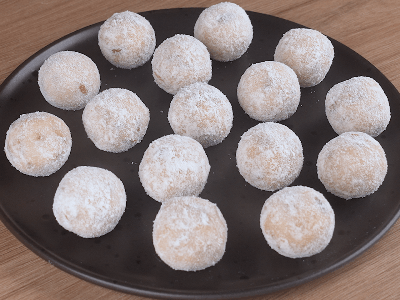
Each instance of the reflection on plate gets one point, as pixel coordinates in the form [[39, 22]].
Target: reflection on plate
[[125, 259]]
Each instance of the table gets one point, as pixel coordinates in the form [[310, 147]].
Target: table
[[371, 28]]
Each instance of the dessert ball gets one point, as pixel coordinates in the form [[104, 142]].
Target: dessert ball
[[201, 112], [297, 221], [308, 52], [173, 166], [38, 144], [358, 104], [180, 61], [116, 120], [89, 201], [269, 91], [127, 40], [69, 80], [269, 156], [352, 165], [225, 29], [189, 233]]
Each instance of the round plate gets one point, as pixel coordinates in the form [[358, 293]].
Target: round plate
[[125, 259]]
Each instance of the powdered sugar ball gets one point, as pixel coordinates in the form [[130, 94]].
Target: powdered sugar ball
[[68, 80], [269, 156], [116, 120], [127, 40], [358, 104], [352, 165], [297, 221], [173, 166], [189, 233], [38, 144], [89, 201], [180, 61], [269, 91], [202, 112], [308, 52], [225, 29]]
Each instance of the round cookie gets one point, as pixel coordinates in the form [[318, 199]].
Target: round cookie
[[180, 61], [116, 120], [269, 91], [269, 156], [127, 40], [89, 201], [69, 80], [297, 221], [352, 165], [201, 112], [189, 233], [308, 52], [357, 104], [173, 166], [38, 144], [225, 29]]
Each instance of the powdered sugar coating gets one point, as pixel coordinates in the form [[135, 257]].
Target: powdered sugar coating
[[116, 120], [173, 166], [308, 52], [89, 201], [269, 91], [189, 233], [352, 165], [69, 80], [269, 156], [225, 29], [38, 144], [180, 61], [297, 221], [127, 40], [201, 112], [358, 104]]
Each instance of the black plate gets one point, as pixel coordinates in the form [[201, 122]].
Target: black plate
[[125, 259]]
